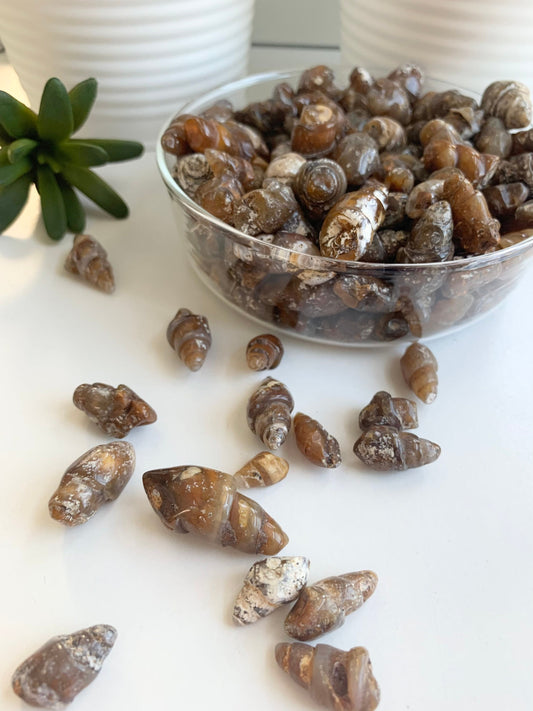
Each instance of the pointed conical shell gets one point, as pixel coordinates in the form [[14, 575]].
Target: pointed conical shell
[[322, 607], [88, 259], [264, 352], [190, 336], [270, 583], [337, 680], [419, 369], [191, 499], [269, 412], [61, 668], [386, 449]]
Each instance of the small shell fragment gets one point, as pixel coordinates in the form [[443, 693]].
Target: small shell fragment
[[115, 410], [337, 680], [189, 335], [88, 259], [96, 477], [322, 607], [264, 352], [419, 368], [270, 583], [56, 673], [265, 469], [315, 443]]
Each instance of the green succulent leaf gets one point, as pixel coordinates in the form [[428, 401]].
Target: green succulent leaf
[[82, 98], [73, 207], [117, 149], [20, 149], [96, 190], [55, 121], [52, 205], [16, 119], [5, 138], [10, 172], [12, 200], [81, 153]]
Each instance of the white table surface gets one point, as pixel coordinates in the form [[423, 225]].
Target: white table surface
[[449, 626]]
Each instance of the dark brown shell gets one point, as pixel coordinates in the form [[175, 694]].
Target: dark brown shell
[[56, 673], [318, 185], [398, 412]]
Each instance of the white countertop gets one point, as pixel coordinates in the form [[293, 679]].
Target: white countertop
[[449, 626]]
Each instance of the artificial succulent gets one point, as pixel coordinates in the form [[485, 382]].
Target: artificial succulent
[[39, 148]]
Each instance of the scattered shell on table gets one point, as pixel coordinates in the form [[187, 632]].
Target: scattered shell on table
[[96, 477], [270, 583], [56, 673]]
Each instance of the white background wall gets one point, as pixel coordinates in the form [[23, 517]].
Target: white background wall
[[297, 22]]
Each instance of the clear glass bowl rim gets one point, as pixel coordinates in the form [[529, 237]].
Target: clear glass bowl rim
[[317, 262]]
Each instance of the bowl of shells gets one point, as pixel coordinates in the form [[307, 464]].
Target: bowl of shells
[[355, 207]]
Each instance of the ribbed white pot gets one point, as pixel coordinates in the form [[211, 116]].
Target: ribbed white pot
[[149, 56], [468, 42]]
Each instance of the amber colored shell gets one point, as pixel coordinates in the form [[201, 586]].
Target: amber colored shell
[[265, 210], [351, 223], [115, 410], [383, 409], [431, 239], [191, 499], [474, 227], [315, 443], [477, 167], [269, 412], [88, 259], [386, 449], [190, 336], [264, 352], [494, 138], [388, 133], [322, 607], [316, 131], [96, 477], [220, 195], [337, 680], [419, 369]]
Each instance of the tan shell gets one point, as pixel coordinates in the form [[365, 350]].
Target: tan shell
[[88, 259], [189, 335], [419, 369]]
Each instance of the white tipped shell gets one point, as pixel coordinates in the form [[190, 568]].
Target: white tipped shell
[[270, 583]]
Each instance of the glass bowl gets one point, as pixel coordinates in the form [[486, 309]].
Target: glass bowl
[[284, 289]]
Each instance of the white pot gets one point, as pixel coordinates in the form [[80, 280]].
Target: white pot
[[467, 42], [149, 56]]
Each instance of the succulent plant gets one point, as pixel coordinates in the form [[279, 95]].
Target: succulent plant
[[38, 148]]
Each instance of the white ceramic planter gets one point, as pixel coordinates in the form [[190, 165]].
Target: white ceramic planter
[[467, 42], [149, 56]]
